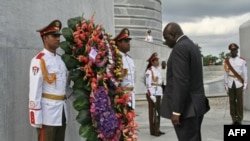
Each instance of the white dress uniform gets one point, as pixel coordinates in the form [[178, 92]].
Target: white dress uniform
[[239, 65], [47, 110], [129, 80], [149, 38], [154, 87]]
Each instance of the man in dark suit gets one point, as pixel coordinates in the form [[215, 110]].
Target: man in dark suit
[[184, 101]]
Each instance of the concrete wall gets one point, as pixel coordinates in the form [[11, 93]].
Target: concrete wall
[[213, 77], [244, 52], [19, 43], [139, 16]]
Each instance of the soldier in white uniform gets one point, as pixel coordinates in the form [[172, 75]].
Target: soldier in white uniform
[[48, 76], [149, 37], [123, 43], [235, 78], [153, 80]]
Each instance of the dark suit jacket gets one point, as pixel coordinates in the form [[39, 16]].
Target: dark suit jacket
[[185, 91]]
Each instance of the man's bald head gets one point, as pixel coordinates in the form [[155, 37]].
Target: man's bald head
[[174, 29], [171, 33]]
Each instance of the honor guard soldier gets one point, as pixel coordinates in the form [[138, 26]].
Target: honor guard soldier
[[47, 88], [153, 80], [122, 41], [235, 78]]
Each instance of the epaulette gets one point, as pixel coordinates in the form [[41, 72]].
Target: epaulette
[[39, 55], [128, 55], [242, 58]]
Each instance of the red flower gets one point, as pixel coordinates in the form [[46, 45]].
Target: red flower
[[83, 59]]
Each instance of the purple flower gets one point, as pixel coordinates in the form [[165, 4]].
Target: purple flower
[[104, 115]]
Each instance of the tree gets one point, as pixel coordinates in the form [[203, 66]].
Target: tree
[[209, 59]]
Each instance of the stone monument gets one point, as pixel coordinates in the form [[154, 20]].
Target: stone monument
[[244, 51]]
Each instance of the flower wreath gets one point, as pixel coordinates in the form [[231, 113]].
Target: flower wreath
[[95, 66]]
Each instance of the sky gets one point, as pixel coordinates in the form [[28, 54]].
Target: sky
[[212, 24]]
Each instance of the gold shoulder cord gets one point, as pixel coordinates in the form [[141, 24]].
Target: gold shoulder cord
[[226, 67], [153, 76], [45, 74]]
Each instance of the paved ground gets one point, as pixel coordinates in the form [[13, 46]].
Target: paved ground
[[212, 127]]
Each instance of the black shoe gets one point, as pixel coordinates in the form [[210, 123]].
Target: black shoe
[[237, 123], [161, 133], [157, 135]]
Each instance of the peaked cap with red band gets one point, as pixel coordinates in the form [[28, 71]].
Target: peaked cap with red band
[[124, 34], [153, 57], [53, 28], [233, 46]]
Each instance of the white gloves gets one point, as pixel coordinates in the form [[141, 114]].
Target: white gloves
[[244, 89], [37, 125], [226, 88], [153, 98]]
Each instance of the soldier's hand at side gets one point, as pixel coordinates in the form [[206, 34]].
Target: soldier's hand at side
[[153, 98], [226, 88], [37, 125], [175, 119], [244, 89]]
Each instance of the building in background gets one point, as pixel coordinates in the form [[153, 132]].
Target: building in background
[[139, 16]]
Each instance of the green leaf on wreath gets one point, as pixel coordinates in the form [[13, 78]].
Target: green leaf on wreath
[[73, 22], [76, 74], [80, 93], [79, 83], [88, 132], [70, 61], [66, 47], [83, 117], [81, 102], [68, 34]]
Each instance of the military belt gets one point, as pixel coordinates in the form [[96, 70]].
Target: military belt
[[231, 75], [154, 84], [54, 97]]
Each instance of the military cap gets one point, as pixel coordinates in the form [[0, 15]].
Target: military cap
[[149, 31], [124, 34], [233, 46], [153, 57], [53, 28]]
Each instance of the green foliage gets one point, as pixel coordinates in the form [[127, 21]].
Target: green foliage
[[73, 22], [82, 101], [67, 34], [214, 60], [76, 74], [83, 117], [87, 131], [209, 60], [66, 47], [81, 87], [70, 61]]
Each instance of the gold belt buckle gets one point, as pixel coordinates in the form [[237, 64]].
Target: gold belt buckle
[[54, 97]]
